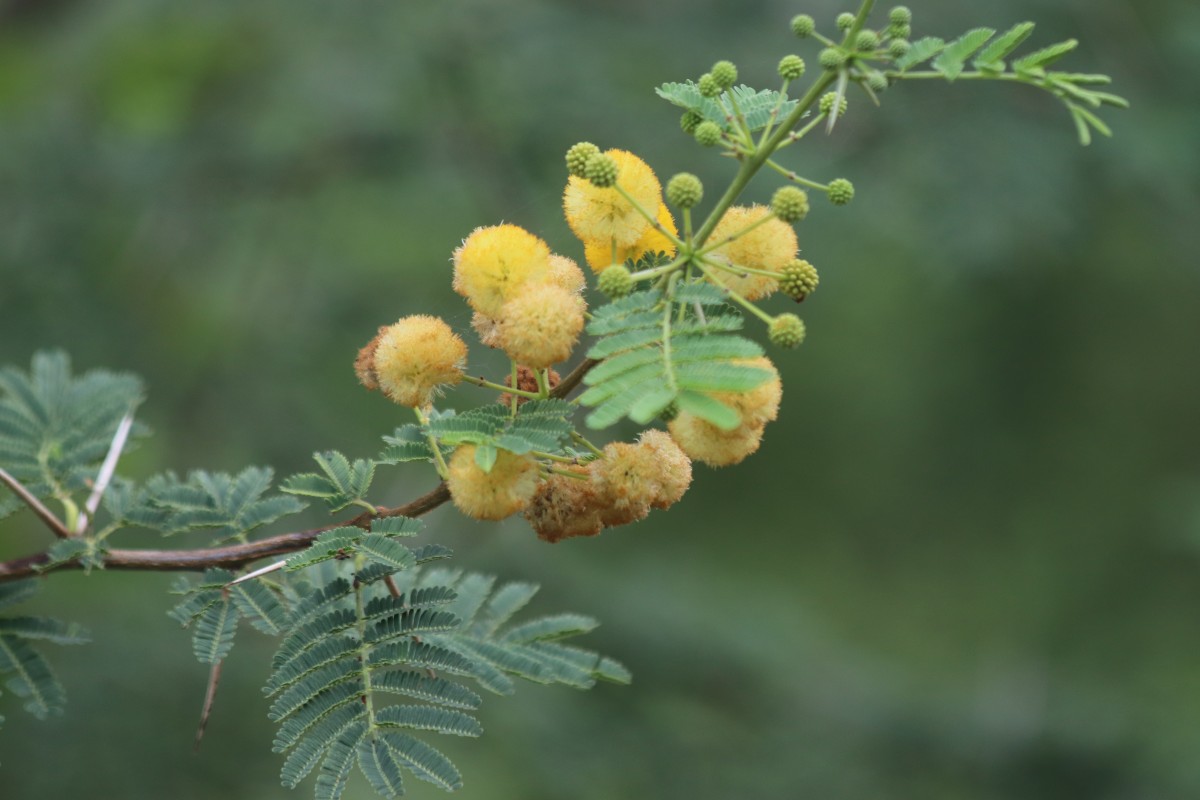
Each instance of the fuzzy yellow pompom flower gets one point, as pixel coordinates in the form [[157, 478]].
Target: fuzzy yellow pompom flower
[[632, 478], [705, 442], [487, 328], [769, 247], [599, 254], [540, 326], [411, 360], [566, 273], [496, 494], [495, 263], [674, 467], [565, 507], [596, 214], [760, 405]]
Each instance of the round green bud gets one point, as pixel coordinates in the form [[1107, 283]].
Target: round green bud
[[708, 85], [577, 157], [831, 58], [786, 330], [803, 25], [601, 170], [689, 121], [899, 31], [615, 281], [670, 412], [708, 133], [866, 40], [791, 67], [798, 279], [724, 73], [841, 191], [877, 81], [898, 47], [827, 101], [684, 190], [845, 21], [790, 204], [900, 15]]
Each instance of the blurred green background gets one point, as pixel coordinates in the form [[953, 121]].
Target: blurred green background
[[963, 565]]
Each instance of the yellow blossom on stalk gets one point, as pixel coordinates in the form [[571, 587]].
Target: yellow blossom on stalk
[[769, 247], [705, 442], [495, 263], [596, 214], [632, 478], [540, 326], [674, 467], [760, 405], [411, 360], [496, 494], [599, 254], [566, 273], [565, 507]]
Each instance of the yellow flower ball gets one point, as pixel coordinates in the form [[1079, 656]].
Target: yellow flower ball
[[487, 328], [705, 442], [599, 254], [768, 247], [596, 214], [494, 495], [565, 507], [414, 358], [540, 326], [495, 263], [566, 273], [674, 467]]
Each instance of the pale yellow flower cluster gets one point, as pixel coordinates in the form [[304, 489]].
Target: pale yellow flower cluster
[[611, 227], [527, 301], [716, 447]]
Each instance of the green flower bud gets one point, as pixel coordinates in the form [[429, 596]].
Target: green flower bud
[[841, 191], [684, 190], [708, 133], [786, 330], [689, 121], [831, 58], [577, 157], [790, 204], [899, 31], [803, 25], [669, 413], [791, 67], [724, 73], [866, 40], [845, 21], [798, 279], [601, 170], [827, 101], [708, 85], [877, 81], [900, 15], [898, 47], [615, 281]]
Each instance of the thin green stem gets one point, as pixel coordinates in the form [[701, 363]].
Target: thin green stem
[[654, 223], [799, 134], [566, 473], [439, 462], [513, 402], [554, 457], [734, 236], [364, 649], [792, 176], [543, 383], [666, 333], [486, 384], [656, 272], [579, 438], [734, 296]]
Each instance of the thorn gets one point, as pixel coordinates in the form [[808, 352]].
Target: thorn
[[210, 695]]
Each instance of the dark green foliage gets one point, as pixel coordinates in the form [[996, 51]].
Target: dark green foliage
[[25, 672], [212, 609], [232, 505], [352, 645], [540, 425], [408, 443], [340, 483], [758, 107], [56, 428], [659, 351]]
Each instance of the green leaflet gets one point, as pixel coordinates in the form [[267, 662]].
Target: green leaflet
[[24, 671], [654, 350], [540, 425], [340, 482], [56, 428], [232, 505], [759, 107]]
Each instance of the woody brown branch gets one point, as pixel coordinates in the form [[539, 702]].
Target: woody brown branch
[[238, 555]]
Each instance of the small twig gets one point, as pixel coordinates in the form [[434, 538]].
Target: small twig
[[105, 476], [210, 695], [43, 513], [392, 587]]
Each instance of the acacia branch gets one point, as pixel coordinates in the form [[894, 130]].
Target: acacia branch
[[43, 513], [238, 555]]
